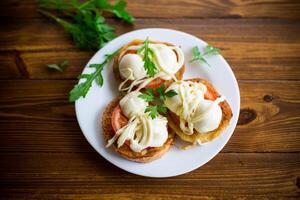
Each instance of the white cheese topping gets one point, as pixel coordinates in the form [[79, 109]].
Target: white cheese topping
[[131, 66], [132, 105], [194, 111], [167, 59], [141, 130]]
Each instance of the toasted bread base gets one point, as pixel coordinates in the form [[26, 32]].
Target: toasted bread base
[[135, 42], [203, 137], [144, 156]]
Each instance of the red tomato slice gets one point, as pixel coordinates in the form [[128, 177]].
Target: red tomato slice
[[155, 83], [118, 120], [210, 94]]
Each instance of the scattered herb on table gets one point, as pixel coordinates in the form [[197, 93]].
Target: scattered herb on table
[[84, 22], [147, 58], [209, 50], [81, 89], [156, 100], [87, 26], [58, 67]]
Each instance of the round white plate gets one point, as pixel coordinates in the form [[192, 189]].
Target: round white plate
[[175, 161]]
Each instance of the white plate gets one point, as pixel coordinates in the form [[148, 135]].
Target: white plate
[[175, 161]]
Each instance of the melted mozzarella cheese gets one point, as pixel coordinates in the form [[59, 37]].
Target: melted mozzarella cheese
[[189, 95], [194, 111], [132, 67], [132, 105], [141, 130], [209, 116], [167, 59], [153, 133]]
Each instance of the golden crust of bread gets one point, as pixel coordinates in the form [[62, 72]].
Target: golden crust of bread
[[135, 42], [146, 155], [204, 137]]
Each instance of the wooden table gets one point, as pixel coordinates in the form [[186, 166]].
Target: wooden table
[[44, 155]]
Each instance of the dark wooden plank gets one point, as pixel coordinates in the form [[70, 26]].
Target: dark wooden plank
[[36, 116], [36, 63], [9, 62], [252, 47], [181, 8], [87, 175], [41, 34]]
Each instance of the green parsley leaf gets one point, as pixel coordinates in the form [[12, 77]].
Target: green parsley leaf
[[156, 100], [170, 93], [118, 9], [89, 30], [59, 67], [68, 6], [162, 108], [152, 111], [209, 50], [147, 58], [60, 5], [81, 89], [148, 96], [87, 27], [161, 89]]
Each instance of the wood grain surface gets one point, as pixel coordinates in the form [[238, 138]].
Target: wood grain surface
[[44, 155]]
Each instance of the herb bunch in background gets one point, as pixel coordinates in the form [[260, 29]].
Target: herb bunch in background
[[86, 26]]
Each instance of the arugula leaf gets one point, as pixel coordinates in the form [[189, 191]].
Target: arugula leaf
[[156, 102], [147, 58], [209, 50], [58, 67], [81, 89]]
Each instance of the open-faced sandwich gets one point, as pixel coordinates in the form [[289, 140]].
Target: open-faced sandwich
[[132, 132], [198, 114], [147, 64], [141, 125]]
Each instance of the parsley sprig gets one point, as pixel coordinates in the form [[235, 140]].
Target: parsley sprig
[[148, 56], [87, 26], [81, 89], [156, 100], [69, 6], [209, 50]]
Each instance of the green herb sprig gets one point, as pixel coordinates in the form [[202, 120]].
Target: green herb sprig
[[69, 6], [87, 26], [156, 100], [147, 58], [209, 50], [58, 67], [81, 89]]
